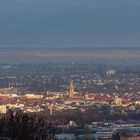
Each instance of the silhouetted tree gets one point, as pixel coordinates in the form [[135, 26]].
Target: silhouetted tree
[[19, 126]]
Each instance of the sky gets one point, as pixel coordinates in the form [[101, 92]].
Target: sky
[[69, 23]]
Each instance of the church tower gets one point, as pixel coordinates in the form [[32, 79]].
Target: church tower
[[71, 94]]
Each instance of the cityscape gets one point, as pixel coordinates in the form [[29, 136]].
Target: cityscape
[[69, 70], [81, 101]]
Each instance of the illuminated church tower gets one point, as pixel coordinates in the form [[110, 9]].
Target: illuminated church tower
[[71, 94]]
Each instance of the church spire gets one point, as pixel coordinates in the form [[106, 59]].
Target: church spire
[[71, 94]]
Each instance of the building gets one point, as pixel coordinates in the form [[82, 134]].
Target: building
[[130, 137], [9, 95], [78, 96], [65, 137], [71, 94], [33, 96], [3, 109], [118, 101], [89, 97], [74, 95], [110, 72]]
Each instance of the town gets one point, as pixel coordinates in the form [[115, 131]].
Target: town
[[93, 98]]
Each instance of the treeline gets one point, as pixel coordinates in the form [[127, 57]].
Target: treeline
[[20, 126]]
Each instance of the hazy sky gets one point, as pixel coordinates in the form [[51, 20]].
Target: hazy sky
[[66, 23]]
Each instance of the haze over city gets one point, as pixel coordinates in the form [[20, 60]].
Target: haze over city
[[69, 55]]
